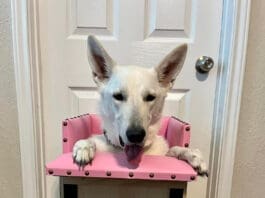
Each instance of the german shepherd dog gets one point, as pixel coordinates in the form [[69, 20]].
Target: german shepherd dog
[[131, 103]]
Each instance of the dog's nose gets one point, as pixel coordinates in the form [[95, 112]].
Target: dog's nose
[[135, 134]]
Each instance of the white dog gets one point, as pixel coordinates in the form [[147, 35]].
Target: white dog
[[132, 99]]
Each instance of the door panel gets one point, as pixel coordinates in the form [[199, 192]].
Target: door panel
[[92, 17], [137, 32], [169, 19]]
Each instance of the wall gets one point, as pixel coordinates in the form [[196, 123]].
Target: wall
[[249, 168], [10, 169]]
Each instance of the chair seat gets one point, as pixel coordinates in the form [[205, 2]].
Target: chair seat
[[115, 165]]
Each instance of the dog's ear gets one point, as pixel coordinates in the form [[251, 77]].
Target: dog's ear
[[170, 66], [101, 63]]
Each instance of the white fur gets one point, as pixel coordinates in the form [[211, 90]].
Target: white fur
[[135, 83]]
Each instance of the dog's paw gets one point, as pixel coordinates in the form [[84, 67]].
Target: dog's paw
[[83, 152], [193, 157]]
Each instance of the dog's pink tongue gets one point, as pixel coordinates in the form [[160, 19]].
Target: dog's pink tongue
[[133, 152]]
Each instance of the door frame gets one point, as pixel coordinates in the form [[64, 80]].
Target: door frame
[[231, 67]]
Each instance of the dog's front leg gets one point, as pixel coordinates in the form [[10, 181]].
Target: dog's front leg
[[84, 150], [192, 156]]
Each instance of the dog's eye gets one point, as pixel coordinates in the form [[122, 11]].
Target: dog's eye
[[119, 96], [149, 98]]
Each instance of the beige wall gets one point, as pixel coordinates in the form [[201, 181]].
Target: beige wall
[[249, 168], [10, 169]]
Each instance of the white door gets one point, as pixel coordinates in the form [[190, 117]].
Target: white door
[[133, 32]]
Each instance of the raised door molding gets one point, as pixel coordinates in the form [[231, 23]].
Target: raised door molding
[[234, 38], [26, 65]]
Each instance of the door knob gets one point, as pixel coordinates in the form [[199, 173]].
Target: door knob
[[204, 64]]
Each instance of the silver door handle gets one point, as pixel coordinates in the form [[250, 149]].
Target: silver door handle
[[204, 64]]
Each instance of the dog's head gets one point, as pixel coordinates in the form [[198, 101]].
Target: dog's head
[[132, 98]]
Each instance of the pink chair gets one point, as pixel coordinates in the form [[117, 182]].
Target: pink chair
[[115, 165]]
